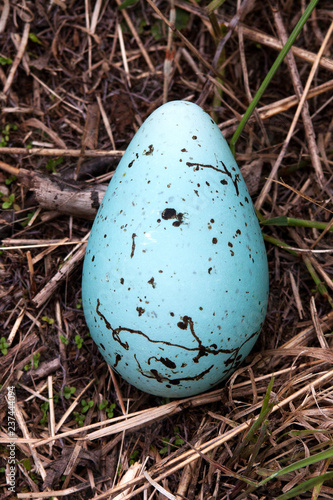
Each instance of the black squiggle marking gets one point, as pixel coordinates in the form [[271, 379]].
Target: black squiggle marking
[[118, 358], [184, 324], [107, 324], [203, 350], [202, 165], [133, 245], [235, 180], [225, 171], [154, 374], [166, 362]]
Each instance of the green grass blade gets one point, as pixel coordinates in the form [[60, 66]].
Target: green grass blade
[[215, 4], [294, 222], [306, 486], [321, 287], [279, 243], [265, 409], [127, 3], [296, 31], [305, 462]]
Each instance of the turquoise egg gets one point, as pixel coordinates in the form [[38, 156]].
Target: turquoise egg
[[175, 276]]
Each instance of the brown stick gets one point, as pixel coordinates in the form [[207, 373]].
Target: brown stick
[[62, 152], [18, 57], [54, 194], [298, 87]]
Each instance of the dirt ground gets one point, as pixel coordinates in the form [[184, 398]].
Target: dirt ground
[[78, 80]]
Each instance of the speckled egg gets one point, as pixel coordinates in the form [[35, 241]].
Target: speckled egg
[[175, 277]]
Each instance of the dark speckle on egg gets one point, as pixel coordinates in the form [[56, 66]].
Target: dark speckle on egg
[[169, 213], [152, 282], [149, 151], [181, 325]]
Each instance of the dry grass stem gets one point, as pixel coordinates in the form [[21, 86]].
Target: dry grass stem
[[18, 57], [308, 125], [62, 152], [279, 160], [67, 268]]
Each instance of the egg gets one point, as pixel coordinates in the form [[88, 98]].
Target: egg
[[175, 276]]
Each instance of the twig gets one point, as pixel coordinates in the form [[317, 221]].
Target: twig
[[51, 408], [52, 193], [297, 297], [124, 55], [159, 488], [297, 83], [21, 422], [62, 493], [282, 105], [91, 27], [73, 406], [61, 152], [106, 121], [35, 123], [167, 68], [25, 244], [137, 38], [63, 273], [43, 370], [317, 325], [4, 15], [18, 58], [278, 162]]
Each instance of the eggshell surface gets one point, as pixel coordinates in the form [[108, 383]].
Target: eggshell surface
[[175, 277]]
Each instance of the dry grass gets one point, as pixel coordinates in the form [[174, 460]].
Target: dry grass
[[84, 76]]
